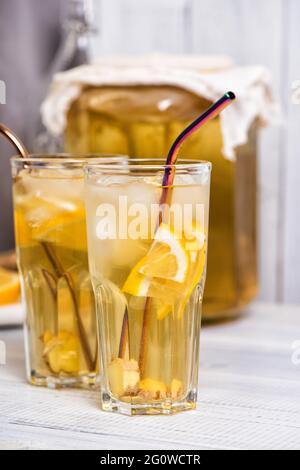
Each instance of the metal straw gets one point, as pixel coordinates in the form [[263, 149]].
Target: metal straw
[[17, 143], [166, 195]]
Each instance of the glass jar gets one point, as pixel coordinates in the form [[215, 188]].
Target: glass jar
[[143, 121]]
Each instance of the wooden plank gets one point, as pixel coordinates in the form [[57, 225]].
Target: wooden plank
[[290, 169], [248, 398], [242, 29]]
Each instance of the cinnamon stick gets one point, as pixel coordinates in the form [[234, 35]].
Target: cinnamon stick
[[59, 271]]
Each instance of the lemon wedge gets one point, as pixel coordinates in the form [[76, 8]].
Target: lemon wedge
[[166, 260], [61, 222], [170, 271], [67, 229], [167, 257], [22, 230], [137, 284], [9, 287], [194, 276]]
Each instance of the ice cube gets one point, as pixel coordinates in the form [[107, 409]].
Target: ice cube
[[48, 184]]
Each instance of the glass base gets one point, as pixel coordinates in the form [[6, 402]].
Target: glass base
[[166, 407], [90, 381]]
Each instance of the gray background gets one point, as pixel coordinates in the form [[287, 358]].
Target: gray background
[[29, 37]]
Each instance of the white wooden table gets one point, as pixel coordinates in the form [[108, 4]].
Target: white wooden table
[[249, 396]]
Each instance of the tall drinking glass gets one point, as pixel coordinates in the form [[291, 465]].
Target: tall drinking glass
[[147, 258], [50, 229]]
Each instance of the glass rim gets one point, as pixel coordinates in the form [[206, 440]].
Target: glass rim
[[147, 164], [61, 159]]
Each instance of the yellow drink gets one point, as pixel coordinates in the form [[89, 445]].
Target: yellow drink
[[50, 228], [148, 272]]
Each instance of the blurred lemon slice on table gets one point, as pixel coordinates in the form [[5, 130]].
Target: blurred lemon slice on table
[[170, 270], [9, 287]]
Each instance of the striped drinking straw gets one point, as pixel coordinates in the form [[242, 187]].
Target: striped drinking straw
[[211, 112], [166, 195]]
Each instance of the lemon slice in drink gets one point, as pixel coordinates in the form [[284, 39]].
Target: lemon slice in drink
[[50, 220], [196, 246], [66, 229], [167, 259], [170, 271], [22, 230], [136, 284], [194, 276]]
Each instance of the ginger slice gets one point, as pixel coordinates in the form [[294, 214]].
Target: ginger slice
[[124, 377], [176, 388], [62, 352], [152, 389]]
